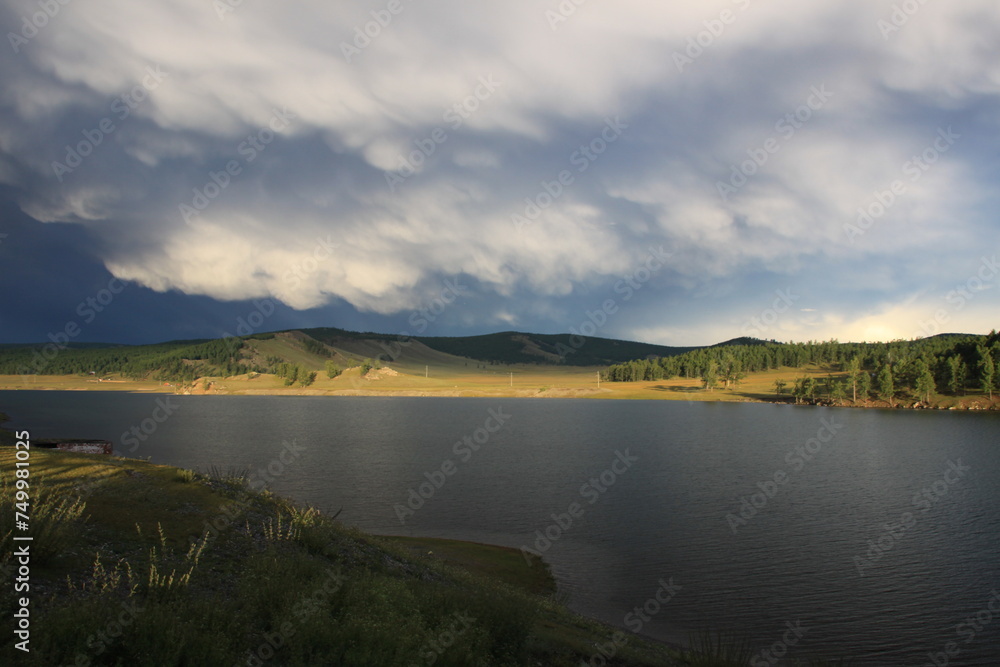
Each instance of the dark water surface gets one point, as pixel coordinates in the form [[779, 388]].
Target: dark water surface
[[880, 539]]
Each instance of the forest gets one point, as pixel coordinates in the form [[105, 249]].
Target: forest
[[950, 363], [171, 362]]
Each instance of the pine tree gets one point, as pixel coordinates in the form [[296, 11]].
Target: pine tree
[[799, 390], [809, 388], [957, 372], [865, 385], [839, 391], [886, 387], [853, 373], [924, 383], [710, 377], [987, 371]]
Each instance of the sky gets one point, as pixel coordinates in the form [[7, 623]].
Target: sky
[[678, 173]]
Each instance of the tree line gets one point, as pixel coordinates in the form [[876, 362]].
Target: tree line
[[165, 362], [941, 364], [180, 362]]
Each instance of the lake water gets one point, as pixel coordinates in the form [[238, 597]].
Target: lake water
[[880, 539]]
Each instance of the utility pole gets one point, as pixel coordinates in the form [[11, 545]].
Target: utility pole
[[598, 379], [512, 379], [425, 371]]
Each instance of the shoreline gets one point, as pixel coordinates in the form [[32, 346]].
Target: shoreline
[[620, 391], [555, 629]]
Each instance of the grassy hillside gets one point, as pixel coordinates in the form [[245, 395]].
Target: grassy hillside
[[746, 369], [942, 371], [259, 353], [139, 564], [511, 347]]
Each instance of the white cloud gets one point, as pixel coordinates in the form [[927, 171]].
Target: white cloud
[[324, 174]]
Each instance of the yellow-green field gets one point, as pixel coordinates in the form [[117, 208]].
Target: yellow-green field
[[77, 382], [396, 380], [454, 376]]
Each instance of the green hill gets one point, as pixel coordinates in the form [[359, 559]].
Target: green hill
[[311, 349], [919, 371], [512, 347]]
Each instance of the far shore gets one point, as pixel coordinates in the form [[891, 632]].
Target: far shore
[[525, 383]]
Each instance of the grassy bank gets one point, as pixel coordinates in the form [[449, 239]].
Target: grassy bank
[[141, 564], [514, 381]]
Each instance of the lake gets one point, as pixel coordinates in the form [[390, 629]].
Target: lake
[[871, 534]]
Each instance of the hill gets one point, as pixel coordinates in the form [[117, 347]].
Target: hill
[[929, 372], [311, 349], [513, 347], [947, 371]]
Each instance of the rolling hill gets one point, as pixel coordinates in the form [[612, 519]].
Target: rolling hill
[[313, 348]]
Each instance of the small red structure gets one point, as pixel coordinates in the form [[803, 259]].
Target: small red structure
[[79, 446]]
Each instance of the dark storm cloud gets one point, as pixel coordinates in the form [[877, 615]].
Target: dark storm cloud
[[279, 153]]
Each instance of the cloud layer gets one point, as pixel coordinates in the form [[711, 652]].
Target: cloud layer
[[363, 153]]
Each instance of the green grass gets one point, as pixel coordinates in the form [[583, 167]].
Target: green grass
[[6, 437], [502, 563]]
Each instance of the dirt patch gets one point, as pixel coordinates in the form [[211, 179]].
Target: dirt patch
[[568, 392]]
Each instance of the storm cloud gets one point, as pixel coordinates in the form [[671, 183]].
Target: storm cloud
[[347, 159]]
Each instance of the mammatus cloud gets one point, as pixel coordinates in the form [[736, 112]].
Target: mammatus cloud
[[343, 152]]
